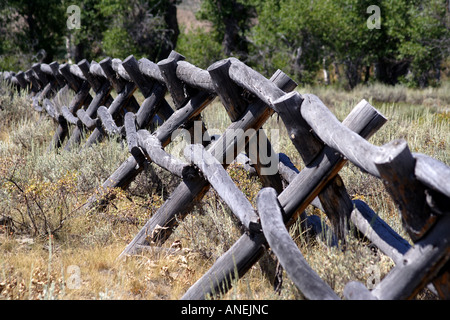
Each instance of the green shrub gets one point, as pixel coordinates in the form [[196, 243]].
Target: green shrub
[[117, 43], [200, 47]]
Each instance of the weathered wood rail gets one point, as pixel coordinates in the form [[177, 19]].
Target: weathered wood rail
[[418, 184]]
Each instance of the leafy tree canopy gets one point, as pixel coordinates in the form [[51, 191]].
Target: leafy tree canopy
[[302, 37]]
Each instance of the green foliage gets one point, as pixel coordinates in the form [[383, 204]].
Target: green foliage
[[300, 37], [231, 20], [282, 39], [139, 27], [108, 27], [200, 47], [30, 30], [117, 43], [426, 41], [217, 11], [88, 38]]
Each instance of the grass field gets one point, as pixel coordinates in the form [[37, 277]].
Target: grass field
[[57, 251]]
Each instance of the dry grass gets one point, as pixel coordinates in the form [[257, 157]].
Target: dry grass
[[56, 251]]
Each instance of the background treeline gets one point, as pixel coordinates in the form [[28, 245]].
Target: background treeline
[[311, 40]]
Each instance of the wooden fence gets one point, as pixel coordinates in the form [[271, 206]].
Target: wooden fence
[[418, 184]]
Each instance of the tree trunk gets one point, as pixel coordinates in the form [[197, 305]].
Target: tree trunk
[[170, 17], [78, 54], [390, 71], [352, 73]]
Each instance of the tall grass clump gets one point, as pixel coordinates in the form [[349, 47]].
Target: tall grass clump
[[42, 188]]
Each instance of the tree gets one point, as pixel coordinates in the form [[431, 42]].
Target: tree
[[144, 28], [298, 36], [302, 36], [231, 19], [427, 41], [288, 37], [34, 27], [201, 47], [108, 27], [86, 42]]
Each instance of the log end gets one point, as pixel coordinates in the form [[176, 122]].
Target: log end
[[129, 61], [83, 63], [176, 55], [54, 65], [396, 150], [165, 62], [290, 99], [225, 64], [105, 62]]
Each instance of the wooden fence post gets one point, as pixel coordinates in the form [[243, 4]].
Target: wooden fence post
[[396, 167], [82, 96], [73, 82], [219, 179], [153, 92], [129, 169], [54, 67], [21, 79], [192, 190], [297, 195], [35, 87], [176, 88], [232, 99], [46, 84], [125, 96], [280, 241]]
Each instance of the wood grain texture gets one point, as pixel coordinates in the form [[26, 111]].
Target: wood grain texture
[[396, 167], [222, 183], [195, 186], [152, 147], [290, 257], [249, 248], [420, 265]]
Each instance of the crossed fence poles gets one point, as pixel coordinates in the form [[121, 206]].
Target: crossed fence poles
[[418, 184]]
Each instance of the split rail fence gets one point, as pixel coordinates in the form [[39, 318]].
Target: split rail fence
[[418, 184]]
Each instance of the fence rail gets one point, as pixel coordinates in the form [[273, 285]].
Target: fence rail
[[418, 184]]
